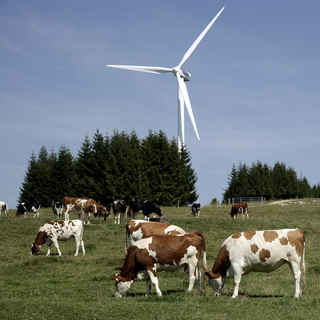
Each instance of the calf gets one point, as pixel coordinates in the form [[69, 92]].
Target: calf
[[259, 251], [57, 209], [53, 231], [196, 209], [24, 207], [139, 229], [4, 207], [241, 207], [148, 256]]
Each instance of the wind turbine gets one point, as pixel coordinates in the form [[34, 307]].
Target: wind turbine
[[182, 76]]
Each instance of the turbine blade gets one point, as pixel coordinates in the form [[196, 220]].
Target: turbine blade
[[184, 91], [195, 44], [157, 70]]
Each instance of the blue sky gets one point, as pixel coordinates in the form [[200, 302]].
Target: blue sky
[[254, 89]]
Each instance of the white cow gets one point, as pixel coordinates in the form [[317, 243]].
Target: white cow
[[53, 231], [3, 206], [259, 251]]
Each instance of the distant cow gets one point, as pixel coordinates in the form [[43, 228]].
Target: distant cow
[[85, 208], [148, 256], [68, 203], [146, 207], [53, 231], [57, 208], [241, 207], [25, 207], [119, 209], [258, 251], [139, 229], [4, 207], [196, 209]]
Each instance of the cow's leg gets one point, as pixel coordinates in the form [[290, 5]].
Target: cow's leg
[[236, 280], [295, 268], [148, 287], [55, 242], [82, 247], [25, 214], [247, 213], [192, 273], [154, 280], [77, 239]]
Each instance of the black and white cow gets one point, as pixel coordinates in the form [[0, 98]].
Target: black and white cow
[[146, 207], [196, 209], [25, 207], [4, 207], [57, 209], [119, 209]]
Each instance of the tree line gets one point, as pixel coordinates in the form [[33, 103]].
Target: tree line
[[120, 166], [277, 182]]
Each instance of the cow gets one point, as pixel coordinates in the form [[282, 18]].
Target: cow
[[119, 209], [25, 207], [148, 256], [258, 251], [85, 207], [57, 209], [196, 209], [241, 207], [68, 203], [139, 229], [146, 207], [53, 231], [4, 207]]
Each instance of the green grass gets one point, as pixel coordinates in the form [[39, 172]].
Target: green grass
[[69, 287]]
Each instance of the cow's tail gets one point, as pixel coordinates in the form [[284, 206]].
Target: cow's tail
[[204, 259], [303, 275]]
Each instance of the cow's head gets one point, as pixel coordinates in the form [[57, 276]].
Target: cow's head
[[35, 249], [122, 286], [158, 212], [216, 281]]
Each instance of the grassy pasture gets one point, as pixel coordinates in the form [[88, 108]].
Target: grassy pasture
[[69, 287]]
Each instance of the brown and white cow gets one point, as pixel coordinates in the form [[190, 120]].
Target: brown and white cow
[[139, 229], [85, 208], [258, 251], [241, 207], [53, 231], [68, 203], [148, 256]]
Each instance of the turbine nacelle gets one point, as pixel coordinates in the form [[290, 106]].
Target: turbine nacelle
[[185, 75]]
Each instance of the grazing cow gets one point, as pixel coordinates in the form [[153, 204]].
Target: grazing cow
[[139, 229], [259, 251], [4, 207], [241, 207], [119, 209], [69, 202], [25, 207], [146, 207], [148, 256], [53, 231], [57, 209], [196, 209]]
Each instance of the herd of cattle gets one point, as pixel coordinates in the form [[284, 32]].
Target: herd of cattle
[[160, 246]]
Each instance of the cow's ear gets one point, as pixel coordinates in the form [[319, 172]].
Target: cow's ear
[[208, 274], [115, 279]]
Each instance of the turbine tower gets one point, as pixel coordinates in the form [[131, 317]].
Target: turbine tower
[[182, 76]]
